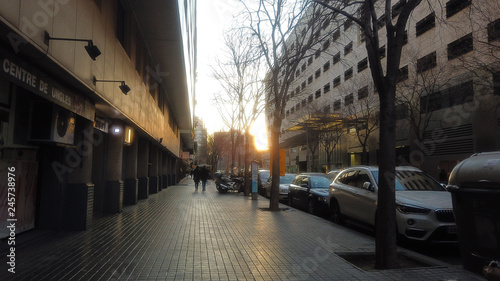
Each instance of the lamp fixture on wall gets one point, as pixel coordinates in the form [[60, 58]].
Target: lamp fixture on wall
[[123, 87], [91, 49]]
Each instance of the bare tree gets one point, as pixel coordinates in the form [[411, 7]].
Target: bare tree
[[370, 15], [286, 31], [240, 75]]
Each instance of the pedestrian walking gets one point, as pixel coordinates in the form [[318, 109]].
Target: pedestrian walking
[[204, 173], [196, 177]]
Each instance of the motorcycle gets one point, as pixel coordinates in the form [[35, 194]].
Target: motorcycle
[[225, 183]]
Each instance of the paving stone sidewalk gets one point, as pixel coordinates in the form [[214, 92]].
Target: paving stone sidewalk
[[183, 234]]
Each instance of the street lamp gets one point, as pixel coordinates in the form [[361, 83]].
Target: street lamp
[[91, 49], [123, 87]]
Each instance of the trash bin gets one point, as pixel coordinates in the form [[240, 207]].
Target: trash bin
[[475, 187]]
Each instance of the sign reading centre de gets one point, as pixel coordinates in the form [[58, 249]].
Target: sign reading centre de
[[35, 81]]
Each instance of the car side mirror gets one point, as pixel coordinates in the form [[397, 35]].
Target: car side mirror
[[368, 186]]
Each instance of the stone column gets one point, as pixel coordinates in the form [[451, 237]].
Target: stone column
[[130, 194], [113, 193], [142, 168], [153, 169], [79, 197]]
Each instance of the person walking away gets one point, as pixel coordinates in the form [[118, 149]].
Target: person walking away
[[196, 177], [204, 177]]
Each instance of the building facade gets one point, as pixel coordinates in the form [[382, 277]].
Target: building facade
[[447, 94], [96, 106]]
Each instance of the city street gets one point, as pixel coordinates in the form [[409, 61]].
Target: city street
[[183, 234]]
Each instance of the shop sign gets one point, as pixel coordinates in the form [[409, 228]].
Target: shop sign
[[28, 77]]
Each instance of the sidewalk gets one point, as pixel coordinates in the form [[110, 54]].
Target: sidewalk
[[180, 234]]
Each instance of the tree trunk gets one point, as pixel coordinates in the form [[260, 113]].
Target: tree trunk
[[385, 225], [247, 164], [275, 169]]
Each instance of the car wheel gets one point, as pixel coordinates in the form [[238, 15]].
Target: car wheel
[[335, 215], [310, 207]]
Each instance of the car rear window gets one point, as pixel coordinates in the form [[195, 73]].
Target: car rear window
[[286, 179], [319, 182], [413, 180]]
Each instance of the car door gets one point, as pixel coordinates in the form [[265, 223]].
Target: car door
[[364, 201], [302, 193], [293, 189], [346, 191]]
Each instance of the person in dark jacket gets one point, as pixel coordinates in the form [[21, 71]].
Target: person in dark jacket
[[196, 177], [204, 173]]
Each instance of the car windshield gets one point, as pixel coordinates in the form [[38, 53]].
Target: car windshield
[[287, 179], [413, 180], [319, 182], [264, 175]]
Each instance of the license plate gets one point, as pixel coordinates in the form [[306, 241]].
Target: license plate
[[451, 230]]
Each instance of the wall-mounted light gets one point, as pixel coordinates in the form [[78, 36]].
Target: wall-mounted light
[[91, 49], [123, 87]]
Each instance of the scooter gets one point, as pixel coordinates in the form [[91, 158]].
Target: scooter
[[225, 183]]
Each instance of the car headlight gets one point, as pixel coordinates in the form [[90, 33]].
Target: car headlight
[[407, 209], [322, 199]]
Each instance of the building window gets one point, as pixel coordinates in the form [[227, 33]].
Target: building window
[[362, 65], [363, 93], [303, 67], [310, 79], [403, 73], [304, 102], [317, 54], [494, 30], [297, 106], [317, 73], [292, 110], [381, 52], [405, 38], [309, 61], [348, 74], [326, 88], [460, 46], [318, 94], [120, 23], [336, 58], [455, 6], [348, 100], [336, 81], [426, 63], [326, 23], [401, 111], [381, 22], [310, 97], [303, 85], [396, 8], [426, 24], [297, 90], [456, 95], [297, 73], [326, 109], [347, 24], [326, 66], [348, 48], [336, 35], [287, 113], [336, 105], [496, 83], [326, 45]]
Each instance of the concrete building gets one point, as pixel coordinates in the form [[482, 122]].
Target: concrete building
[[448, 92], [200, 138], [96, 106]]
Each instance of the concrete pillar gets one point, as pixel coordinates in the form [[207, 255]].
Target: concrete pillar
[[153, 169], [131, 187], [164, 172], [113, 202], [142, 168], [79, 195]]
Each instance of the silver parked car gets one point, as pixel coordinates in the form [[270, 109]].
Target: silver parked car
[[424, 207], [285, 182]]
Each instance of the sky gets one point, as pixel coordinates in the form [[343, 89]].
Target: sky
[[213, 18]]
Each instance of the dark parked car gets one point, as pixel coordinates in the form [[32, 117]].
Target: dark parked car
[[309, 192]]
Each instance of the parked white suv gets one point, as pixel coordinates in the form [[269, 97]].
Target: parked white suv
[[424, 206]]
